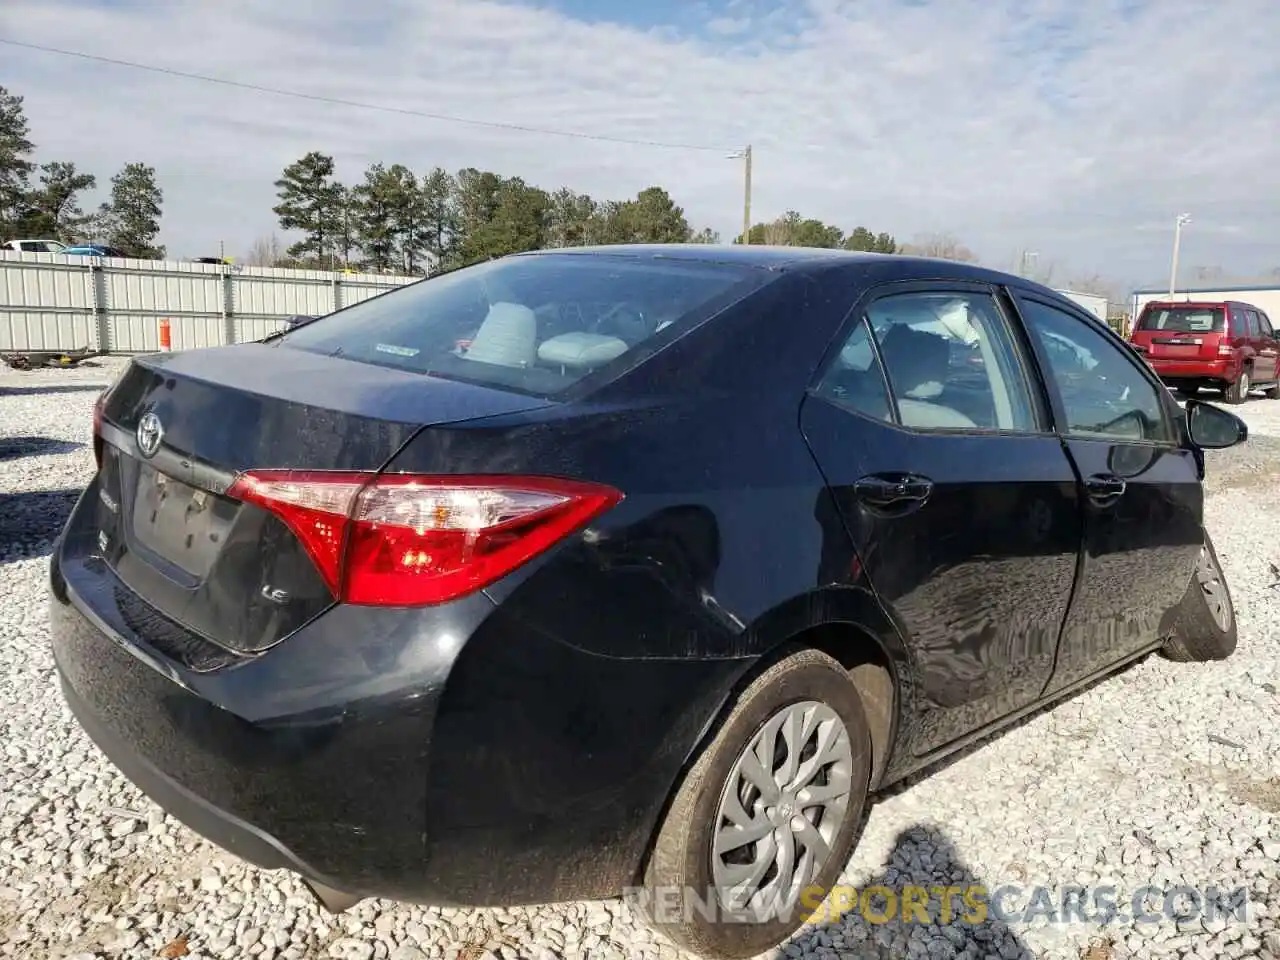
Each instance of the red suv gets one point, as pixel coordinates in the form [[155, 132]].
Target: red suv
[[1225, 345]]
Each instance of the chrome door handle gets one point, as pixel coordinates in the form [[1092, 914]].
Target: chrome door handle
[[886, 491], [1105, 488]]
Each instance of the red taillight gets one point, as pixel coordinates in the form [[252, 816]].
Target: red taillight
[[401, 540]]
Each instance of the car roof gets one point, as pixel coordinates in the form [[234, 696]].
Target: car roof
[[752, 254], [887, 266], [1200, 304]]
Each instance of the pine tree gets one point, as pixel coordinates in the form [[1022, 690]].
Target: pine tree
[[54, 206], [15, 166], [311, 201], [439, 217], [131, 220]]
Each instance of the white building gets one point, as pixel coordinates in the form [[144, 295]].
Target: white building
[[1091, 302]]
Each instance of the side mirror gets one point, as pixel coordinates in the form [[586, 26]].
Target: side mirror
[[1212, 428]]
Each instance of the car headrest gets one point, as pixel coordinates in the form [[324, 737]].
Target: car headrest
[[508, 337], [915, 358], [581, 350]]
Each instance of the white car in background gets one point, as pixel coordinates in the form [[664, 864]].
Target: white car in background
[[34, 246]]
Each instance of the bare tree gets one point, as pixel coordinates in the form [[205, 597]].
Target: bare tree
[[1042, 273], [265, 252], [939, 246], [1094, 284], [1029, 265]]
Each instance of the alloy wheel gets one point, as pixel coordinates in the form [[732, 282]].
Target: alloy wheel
[[785, 801], [1214, 588]]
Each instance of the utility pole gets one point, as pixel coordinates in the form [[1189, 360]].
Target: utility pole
[[1182, 220], [745, 156]]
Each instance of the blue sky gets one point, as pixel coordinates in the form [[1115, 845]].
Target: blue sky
[[1077, 129]]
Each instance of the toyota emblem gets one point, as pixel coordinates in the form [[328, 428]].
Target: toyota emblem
[[150, 433]]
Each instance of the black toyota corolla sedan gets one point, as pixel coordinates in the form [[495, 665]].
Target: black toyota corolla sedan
[[621, 570]]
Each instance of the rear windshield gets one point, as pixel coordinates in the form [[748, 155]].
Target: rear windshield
[[536, 324], [1183, 319]]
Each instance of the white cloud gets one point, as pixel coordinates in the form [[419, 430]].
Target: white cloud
[[729, 26], [1062, 126]]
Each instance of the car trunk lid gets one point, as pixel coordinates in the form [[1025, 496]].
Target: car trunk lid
[[178, 429]]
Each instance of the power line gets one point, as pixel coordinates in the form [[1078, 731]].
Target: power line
[[338, 101]]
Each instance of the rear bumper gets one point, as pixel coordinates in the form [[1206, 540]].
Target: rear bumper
[[445, 755], [316, 774], [1220, 370], [222, 828]]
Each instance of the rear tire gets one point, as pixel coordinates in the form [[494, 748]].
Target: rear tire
[[747, 780], [1205, 626], [1238, 392]]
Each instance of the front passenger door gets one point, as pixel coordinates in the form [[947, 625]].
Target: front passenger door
[[1141, 493]]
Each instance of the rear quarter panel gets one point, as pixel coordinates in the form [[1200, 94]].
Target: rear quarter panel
[[719, 522]]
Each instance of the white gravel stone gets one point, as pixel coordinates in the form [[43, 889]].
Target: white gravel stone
[[1120, 786]]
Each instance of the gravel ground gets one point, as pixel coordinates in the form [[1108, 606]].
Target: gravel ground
[[1165, 775]]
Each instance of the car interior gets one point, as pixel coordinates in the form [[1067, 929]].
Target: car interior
[[536, 329], [565, 337], [940, 361]]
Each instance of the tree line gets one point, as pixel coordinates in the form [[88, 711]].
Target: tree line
[[394, 220], [43, 202]]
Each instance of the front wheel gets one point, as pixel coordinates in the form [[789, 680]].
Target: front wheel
[[1205, 627], [765, 819], [1238, 392]]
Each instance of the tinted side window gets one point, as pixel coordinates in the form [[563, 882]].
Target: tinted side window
[[855, 378], [951, 362], [1252, 319], [1238, 326], [1264, 325], [1104, 394]]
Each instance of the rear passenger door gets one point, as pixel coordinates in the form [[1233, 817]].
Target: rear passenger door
[[961, 504], [1143, 503]]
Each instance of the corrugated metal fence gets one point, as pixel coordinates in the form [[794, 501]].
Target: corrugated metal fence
[[52, 302]]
